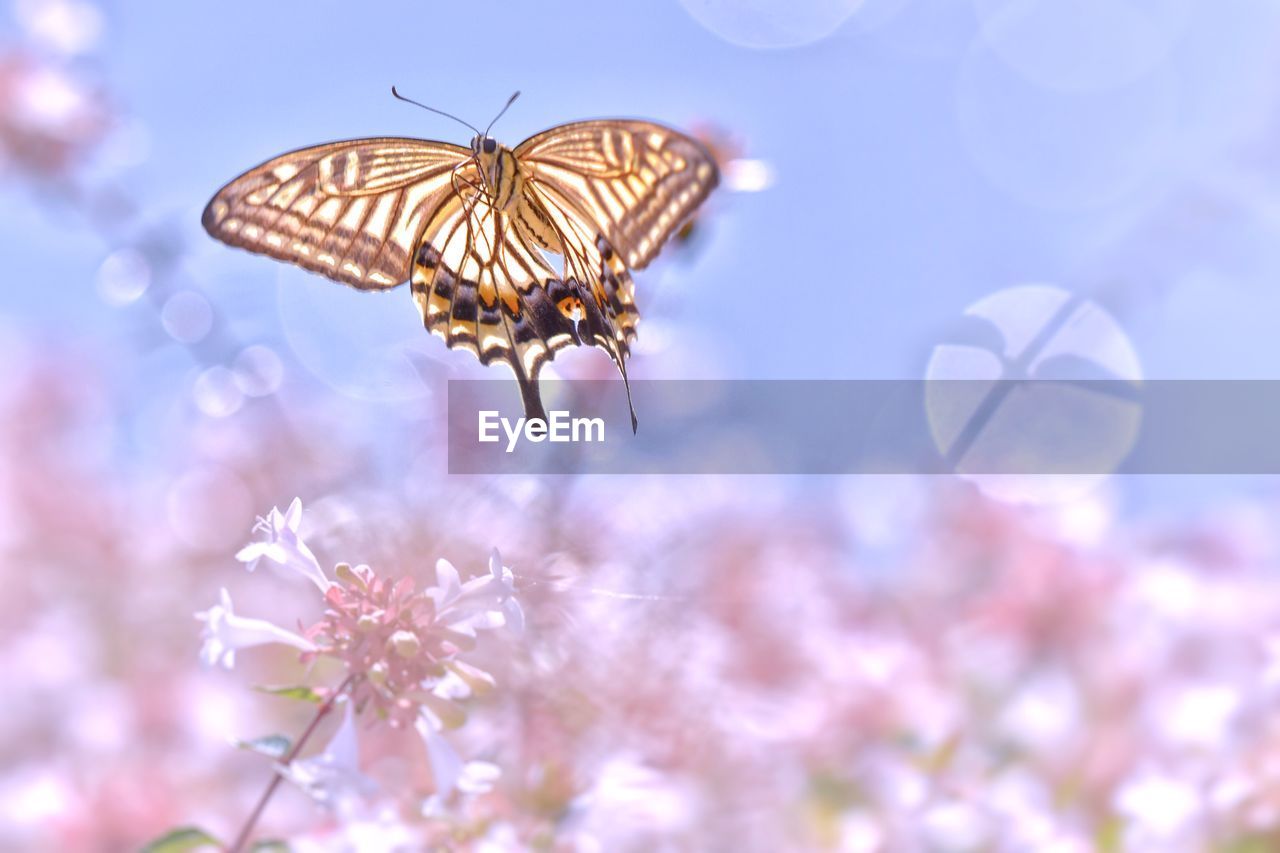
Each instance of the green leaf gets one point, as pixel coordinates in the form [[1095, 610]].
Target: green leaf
[[272, 746], [300, 691], [270, 845], [181, 840]]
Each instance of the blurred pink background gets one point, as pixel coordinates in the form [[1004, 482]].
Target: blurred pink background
[[706, 663]]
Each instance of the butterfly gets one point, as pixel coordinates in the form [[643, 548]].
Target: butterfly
[[476, 230]]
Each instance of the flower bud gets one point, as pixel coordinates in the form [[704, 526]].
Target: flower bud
[[378, 673], [405, 643]]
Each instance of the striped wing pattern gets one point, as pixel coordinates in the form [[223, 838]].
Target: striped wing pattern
[[634, 181], [591, 259], [352, 211], [482, 286], [371, 213]]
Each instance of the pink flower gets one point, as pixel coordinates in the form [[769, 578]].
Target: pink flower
[[485, 602], [333, 777], [402, 643], [225, 632], [449, 772], [50, 120], [283, 546]]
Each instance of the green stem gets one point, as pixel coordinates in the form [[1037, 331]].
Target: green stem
[[323, 711]]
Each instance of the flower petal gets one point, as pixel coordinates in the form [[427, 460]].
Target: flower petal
[[478, 777], [447, 580], [514, 615], [333, 777], [225, 632], [283, 546], [293, 515], [446, 764]]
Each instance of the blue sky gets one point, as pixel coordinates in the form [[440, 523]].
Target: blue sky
[[917, 170], [927, 153]]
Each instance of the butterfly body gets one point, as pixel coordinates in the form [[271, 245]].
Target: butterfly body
[[469, 229], [499, 171]]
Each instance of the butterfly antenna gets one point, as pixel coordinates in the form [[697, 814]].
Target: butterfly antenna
[[510, 101], [401, 97]]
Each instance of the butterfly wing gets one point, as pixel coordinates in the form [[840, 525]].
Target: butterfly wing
[[372, 212], [633, 182], [352, 211], [482, 286], [601, 290]]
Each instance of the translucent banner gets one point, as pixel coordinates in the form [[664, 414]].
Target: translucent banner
[[1026, 427]]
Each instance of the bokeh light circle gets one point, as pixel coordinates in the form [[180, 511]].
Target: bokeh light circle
[[1084, 45], [187, 316], [216, 393], [1033, 332], [770, 24], [123, 277], [1063, 150], [366, 346], [917, 29], [69, 27], [258, 371]]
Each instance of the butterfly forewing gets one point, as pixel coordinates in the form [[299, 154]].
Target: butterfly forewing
[[352, 211], [634, 181]]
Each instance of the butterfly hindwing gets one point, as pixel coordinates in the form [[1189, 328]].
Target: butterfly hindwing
[[481, 287], [600, 277], [351, 211]]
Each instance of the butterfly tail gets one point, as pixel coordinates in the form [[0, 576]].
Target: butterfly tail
[[596, 329], [531, 397], [626, 383]]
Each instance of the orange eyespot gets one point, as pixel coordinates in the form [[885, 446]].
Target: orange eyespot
[[570, 306]]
